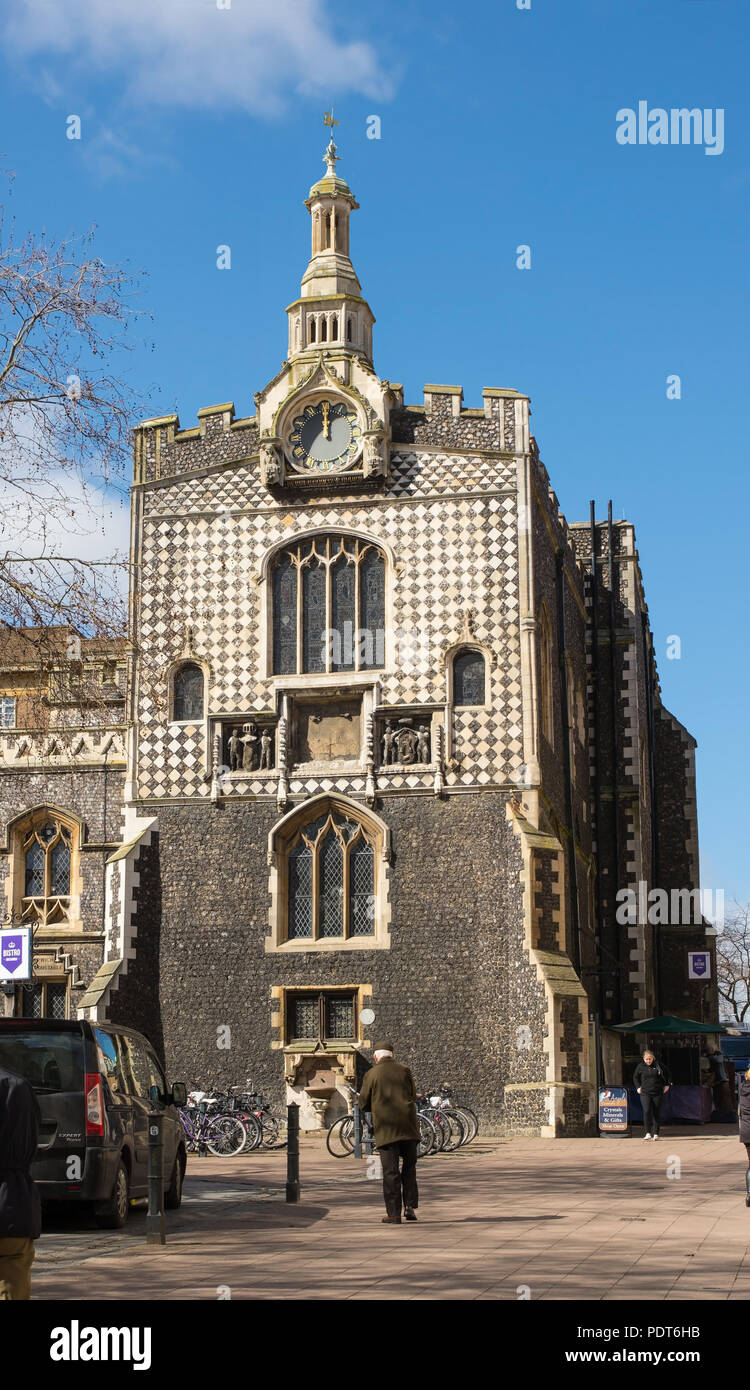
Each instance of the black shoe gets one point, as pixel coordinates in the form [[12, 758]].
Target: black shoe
[[391, 1221], [409, 1214]]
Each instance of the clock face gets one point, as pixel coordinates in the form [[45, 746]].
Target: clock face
[[325, 435]]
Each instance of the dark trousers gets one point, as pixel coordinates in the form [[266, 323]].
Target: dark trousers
[[396, 1182], [651, 1107]]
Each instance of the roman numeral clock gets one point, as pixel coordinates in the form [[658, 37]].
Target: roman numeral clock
[[324, 436]]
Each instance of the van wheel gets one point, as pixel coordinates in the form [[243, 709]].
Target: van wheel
[[173, 1194], [113, 1214]]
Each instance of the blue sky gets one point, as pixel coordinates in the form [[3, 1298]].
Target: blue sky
[[202, 126]]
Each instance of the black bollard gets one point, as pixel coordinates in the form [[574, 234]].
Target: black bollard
[[357, 1117], [292, 1154], [155, 1221], [367, 1142]]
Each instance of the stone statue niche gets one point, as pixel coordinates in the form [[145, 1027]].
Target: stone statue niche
[[249, 747], [405, 742]]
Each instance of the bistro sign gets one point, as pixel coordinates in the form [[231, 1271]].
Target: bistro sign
[[15, 953]]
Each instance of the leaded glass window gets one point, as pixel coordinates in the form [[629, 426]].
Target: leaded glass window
[[328, 606], [188, 692], [331, 880], [321, 1016], [56, 1001], [468, 678], [46, 846]]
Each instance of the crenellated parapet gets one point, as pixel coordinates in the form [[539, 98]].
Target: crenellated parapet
[[162, 450], [502, 424]]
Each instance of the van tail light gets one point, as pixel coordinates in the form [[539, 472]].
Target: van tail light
[[94, 1105]]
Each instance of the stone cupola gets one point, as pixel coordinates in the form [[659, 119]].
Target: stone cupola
[[330, 316]]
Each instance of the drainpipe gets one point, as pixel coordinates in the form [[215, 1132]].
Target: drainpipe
[[657, 942], [621, 941], [599, 907], [571, 847]]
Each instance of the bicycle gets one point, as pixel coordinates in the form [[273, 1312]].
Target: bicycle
[[223, 1135], [340, 1136]]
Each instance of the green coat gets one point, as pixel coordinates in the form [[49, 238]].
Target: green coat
[[388, 1090]]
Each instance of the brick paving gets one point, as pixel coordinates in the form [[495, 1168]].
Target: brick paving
[[589, 1219]]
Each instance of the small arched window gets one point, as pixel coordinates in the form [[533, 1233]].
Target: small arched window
[[312, 330], [328, 230], [187, 701], [45, 861], [334, 328], [323, 330], [469, 678], [348, 330]]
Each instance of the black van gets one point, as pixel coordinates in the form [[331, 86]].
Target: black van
[[96, 1083]]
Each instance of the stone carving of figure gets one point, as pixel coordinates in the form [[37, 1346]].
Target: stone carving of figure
[[270, 463], [265, 749], [235, 751], [423, 742], [373, 460], [248, 741], [406, 742], [389, 744]]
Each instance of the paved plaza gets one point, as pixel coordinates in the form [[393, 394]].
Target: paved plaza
[[589, 1219]]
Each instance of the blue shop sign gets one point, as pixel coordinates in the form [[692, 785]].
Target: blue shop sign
[[613, 1110]]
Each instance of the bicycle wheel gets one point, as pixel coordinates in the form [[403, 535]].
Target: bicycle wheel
[[456, 1130], [274, 1133], [470, 1123], [427, 1136], [225, 1136], [441, 1127], [254, 1133], [340, 1137]]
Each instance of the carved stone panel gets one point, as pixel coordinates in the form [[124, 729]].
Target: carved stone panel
[[327, 731]]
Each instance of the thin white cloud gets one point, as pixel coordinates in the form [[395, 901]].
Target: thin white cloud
[[251, 56]]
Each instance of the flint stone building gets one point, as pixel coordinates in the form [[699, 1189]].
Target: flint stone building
[[393, 742]]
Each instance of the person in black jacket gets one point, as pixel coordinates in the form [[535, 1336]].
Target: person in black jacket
[[20, 1208], [744, 1114], [652, 1083]]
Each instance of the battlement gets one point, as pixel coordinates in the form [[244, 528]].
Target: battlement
[[162, 449]]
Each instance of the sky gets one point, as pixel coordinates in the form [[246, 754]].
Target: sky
[[201, 126]]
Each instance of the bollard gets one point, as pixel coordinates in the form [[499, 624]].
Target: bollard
[[155, 1221], [367, 1142], [292, 1154], [357, 1117]]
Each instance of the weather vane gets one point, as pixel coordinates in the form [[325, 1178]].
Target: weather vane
[[330, 158]]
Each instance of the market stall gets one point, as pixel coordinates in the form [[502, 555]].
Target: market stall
[[681, 1045]]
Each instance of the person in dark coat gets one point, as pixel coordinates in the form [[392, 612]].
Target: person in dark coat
[[651, 1082], [20, 1208], [388, 1090], [744, 1116]]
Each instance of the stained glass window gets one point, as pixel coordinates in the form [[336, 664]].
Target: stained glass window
[[315, 591], [343, 619], [468, 679], [285, 617], [313, 617], [188, 692]]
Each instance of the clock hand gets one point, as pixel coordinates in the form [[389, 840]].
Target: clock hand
[[326, 426]]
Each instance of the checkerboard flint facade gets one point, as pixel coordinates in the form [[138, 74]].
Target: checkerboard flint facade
[[495, 900]]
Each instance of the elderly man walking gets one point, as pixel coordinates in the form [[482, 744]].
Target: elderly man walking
[[20, 1210], [388, 1090]]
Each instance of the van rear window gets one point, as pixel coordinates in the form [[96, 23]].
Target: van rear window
[[50, 1061]]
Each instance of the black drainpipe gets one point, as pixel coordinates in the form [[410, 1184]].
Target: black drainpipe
[[597, 763], [571, 848], [657, 943], [621, 939]]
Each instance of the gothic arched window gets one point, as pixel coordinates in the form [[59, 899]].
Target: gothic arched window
[[187, 698], [45, 855], [330, 880], [328, 597], [323, 330], [468, 678], [312, 330], [348, 330]]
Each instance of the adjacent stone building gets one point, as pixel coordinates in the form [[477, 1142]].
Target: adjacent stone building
[[394, 744]]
